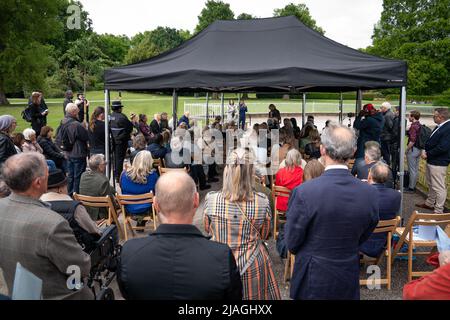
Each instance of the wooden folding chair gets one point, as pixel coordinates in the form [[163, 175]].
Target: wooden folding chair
[[165, 170], [279, 191], [289, 266], [350, 164], [388, 226], [157, 163], [407, 236], [136, 199], [102, 202]]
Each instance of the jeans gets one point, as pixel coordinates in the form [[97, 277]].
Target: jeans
[[413, 157], [75, 167]]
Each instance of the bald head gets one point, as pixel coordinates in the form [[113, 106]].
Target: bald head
[[176, 196], [379, 173]]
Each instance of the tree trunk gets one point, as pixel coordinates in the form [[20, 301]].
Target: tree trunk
[[3, 99]]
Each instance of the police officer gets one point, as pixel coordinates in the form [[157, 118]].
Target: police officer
[[121, 129]]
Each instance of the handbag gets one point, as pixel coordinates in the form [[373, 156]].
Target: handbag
[[259, 240]]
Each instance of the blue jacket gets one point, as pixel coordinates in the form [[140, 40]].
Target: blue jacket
[[157, 151], [185, 120], [389, 201], [369, 130], [328, 218], [132, 188], [438, 147]]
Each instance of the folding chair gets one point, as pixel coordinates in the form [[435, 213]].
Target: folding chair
[[289, 266], [157, 163], [350, 164], [165, 170], [407, 236], [102, 202], [388, 226], [278, 191], [136, 199]]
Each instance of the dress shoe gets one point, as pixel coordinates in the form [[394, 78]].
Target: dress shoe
[[205, 187], [424, 206]]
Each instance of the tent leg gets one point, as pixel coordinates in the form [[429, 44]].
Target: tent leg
[[174, 108], [207, 109], [303, 109], [358, 101], [402, 144], [108, 165], [222, 108], [341, 108]]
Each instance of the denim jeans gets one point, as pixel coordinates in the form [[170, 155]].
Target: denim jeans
[[75, 167]]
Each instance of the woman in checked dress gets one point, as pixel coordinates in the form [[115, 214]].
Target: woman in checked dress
[[240, 217]]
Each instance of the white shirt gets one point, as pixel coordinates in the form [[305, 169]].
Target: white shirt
[[439, 126], [336, 166]]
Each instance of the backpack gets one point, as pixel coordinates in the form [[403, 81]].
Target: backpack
[[62, 137], [26, 114], [424, 135]]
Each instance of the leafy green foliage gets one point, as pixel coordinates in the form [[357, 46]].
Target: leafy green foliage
[[416, 31], [213, 10], [153, 43], [245, 16], [301, 11]]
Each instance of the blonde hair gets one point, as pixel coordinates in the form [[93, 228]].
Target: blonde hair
[[27, 133], [238, 181], [313, 169], [141, 168]]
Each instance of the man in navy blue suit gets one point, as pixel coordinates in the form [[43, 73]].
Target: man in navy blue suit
[[437, 154], [328, 218], [389, 201]]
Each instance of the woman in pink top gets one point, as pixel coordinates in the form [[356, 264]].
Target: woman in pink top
[[290, 176]]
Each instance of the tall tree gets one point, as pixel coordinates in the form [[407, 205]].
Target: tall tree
[[115, 47], [154, 43], [416, 31], [301, 11], [245, 16], [213, 10]]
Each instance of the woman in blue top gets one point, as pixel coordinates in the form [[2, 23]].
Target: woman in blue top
[[140, 178]]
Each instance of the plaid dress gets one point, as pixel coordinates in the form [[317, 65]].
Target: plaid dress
[[226, 224]]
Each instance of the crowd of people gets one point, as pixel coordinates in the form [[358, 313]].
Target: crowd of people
[[330, 214]]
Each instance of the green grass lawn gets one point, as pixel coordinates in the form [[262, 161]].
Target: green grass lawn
[[151, 103]]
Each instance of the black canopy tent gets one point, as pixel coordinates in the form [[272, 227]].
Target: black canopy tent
[[262, 55]]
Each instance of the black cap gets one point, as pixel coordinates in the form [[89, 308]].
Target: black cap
[[56, 178], [116, 105]]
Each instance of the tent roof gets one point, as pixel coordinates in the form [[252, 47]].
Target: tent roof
[[273, 54]]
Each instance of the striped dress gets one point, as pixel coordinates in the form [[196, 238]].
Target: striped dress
[[226, 224]]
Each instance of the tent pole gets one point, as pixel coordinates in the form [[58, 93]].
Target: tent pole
[[402, 144], [341, 108], [174, 108], [207, 109], [358, 101], [108, 164], [303, 109], [222, 108]]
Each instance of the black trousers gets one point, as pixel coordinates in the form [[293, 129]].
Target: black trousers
[[198, 174], [120, 150], [386, 152]]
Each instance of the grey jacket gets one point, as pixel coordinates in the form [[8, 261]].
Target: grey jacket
[[43, 242], [388, 129], [79, 136]]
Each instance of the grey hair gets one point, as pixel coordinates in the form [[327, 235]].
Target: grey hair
[[339, 142], [20, 170], [72, 108], [372, 150], [379, 172], [95, 161], [443, 112], [175, 192], [293, 159], [27, 133]]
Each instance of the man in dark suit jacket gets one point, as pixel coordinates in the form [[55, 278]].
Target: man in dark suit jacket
[[389, 201], [437, 154], [327, 220], [177, 262]]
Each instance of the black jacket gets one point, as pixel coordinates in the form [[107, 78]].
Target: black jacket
[[437, 146], [387, 134], [177, 262], [7, 148], [155, 127], [97, 138], [369, 130], [121, 127], [51, 151]]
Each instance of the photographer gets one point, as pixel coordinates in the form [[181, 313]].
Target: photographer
[[370, 123], [83, 105]]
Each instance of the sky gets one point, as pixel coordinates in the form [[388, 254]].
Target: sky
[[349, 22]]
